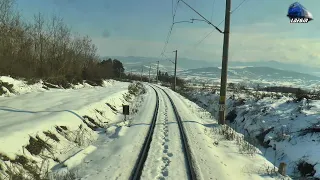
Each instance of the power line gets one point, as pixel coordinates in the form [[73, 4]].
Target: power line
[[207, 35], [167, 58], [174, 11], [171, 27], [238, 6], [218, 25], [192, 20], [206, 20]]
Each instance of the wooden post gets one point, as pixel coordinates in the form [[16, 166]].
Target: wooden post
[[175, 70], [157, 72], [224, 68], [282, 169]]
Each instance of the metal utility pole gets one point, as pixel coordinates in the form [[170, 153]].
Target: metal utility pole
[[149, 72], [224, 70], [175, 70], [141, 73], [158, 72]]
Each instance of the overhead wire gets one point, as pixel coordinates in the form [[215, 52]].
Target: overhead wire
[[174, 11], [219, 24], [208, 35], [167, 58], [238, 6], [171, 27], [204, 19]]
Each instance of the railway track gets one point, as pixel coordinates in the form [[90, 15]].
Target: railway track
[[144, 153]]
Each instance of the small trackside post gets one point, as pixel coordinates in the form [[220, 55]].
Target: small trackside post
[[125, 111]]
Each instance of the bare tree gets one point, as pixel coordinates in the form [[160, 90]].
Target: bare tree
[[46, 49], [39, 43]]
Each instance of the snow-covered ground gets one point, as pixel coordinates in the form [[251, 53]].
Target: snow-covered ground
[[55, 126], [118, 150], [215, 156], [252, 83], [82, 131], [292, 128]]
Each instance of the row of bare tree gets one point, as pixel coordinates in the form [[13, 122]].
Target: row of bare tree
[[45, 48]]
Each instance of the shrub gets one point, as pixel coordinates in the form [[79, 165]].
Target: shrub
[[51, 136], [37, 145], [136, 89], [133, 89], [95, 82], [306, 169], [301, 94], [70, 175], [227, 132], [7, 86], [60, 81], [247, 148], [262, 136], [231, 116], [314, 128], [32, 81], [240, 102]]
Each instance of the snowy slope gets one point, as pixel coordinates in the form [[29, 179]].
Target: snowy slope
[[54, 127], [117, 152], [28, 113], [293, 126], [217, 158], [22, 87]]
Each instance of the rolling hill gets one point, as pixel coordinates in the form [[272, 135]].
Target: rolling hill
[[200, 71]]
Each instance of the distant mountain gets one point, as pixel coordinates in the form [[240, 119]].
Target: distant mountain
[[135, 63], [250, 72], [252, 75], [212, 72], [279, 65], [183, 63], [262, 72], [273, 74]]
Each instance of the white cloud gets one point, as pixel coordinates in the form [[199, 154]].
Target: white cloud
[[261, 41]]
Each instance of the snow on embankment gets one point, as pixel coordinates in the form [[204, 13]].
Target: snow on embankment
[[43, 128], [18, 87], [275, 121], [218, 151]]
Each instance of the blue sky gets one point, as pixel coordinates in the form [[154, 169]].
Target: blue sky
[[260, 29]]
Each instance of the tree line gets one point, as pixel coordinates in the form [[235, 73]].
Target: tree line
[[169, 79], [45, 48]]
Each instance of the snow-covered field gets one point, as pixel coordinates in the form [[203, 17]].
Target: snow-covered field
[[54, 127], [81, 132], [292, 128], [252, 83]]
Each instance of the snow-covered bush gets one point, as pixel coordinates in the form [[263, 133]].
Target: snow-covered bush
[[5, 87], [136, 89], [305, 169]]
